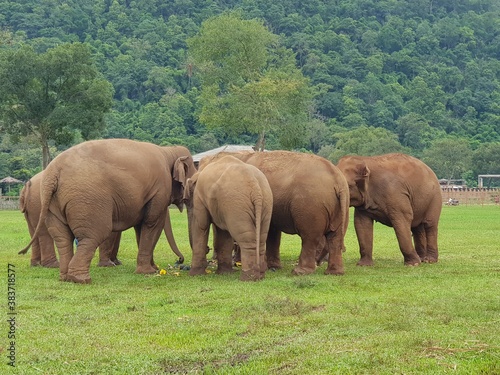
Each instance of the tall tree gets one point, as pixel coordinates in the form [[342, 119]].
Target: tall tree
[[52, 96], [364, 141], [249, 83], [448, 157]]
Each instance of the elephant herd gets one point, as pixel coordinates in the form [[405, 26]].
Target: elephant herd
[[93, 191]]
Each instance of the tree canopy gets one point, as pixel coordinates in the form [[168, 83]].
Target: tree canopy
[[52, 95], [422, 70], [248, 83]]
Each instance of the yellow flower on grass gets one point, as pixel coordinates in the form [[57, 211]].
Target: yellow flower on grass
[[163, 272]]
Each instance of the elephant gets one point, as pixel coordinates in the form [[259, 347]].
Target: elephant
[[399, 191], [311, 199], [104, 186], [236, 198], [43, 250]]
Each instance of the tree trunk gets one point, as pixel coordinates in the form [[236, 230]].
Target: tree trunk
[[261, 142], [45, 154]]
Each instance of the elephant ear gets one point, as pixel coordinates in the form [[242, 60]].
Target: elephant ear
[[190, 185], [180, 168], [362, 174]]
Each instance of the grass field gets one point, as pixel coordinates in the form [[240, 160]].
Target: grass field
[[442, 318]]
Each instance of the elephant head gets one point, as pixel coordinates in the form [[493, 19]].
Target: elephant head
[[357, 175], [182, 170]]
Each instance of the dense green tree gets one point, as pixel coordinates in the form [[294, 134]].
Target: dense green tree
[[364, 141], [53, 95], [421, 69], [249, 83], [486, 160], [449, 158]]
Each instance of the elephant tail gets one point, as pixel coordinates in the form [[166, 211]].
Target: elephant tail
[[23, 196], [258, 201], [343, 196], [48, 188]]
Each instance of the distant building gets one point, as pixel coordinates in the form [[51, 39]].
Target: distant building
[[456, 184], [226, 148]]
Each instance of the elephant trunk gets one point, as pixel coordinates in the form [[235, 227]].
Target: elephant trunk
[[170, 237]]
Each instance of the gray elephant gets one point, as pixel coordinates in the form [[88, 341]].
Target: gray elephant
[[105, 186], [236, 198], [399, 191], [311, 199], [43, 249]]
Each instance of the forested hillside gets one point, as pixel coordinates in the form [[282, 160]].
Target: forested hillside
[[419, 76]]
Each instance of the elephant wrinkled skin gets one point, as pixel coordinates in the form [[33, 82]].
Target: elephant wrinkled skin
[[399, 191], [99, 187], [43, 252], [311, 199], [237, 199], [43, 249]]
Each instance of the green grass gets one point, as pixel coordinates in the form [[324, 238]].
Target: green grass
[[442, 318]]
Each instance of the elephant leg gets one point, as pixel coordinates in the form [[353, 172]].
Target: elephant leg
[[224, 246], [108, 250], [273, 248], [36, 256], [253, 267], [403, 234], [63, 237], [311, 245], [199, 232], [48, 256], [364, 232], [335, 245], [79, 265], [113, 256], [149, 233], [431, 234], [420, 241], [237, 253]]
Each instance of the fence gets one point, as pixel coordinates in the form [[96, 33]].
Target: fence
[[9, 203], [471, 196]]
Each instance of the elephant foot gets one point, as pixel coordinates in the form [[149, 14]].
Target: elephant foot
[[274, 265], [365, 262], [300, 271], [429, 260], [50, 264], [197, 271], [116, 262], [145, 269], [412, 263], [36, 263], [223, 270], [106, 263], [251, 276], [79, 279], [334, 271]]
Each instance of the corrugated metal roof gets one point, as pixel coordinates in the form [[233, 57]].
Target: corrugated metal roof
[[226, 148]]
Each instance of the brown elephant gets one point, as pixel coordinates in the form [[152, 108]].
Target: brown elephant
[[99, 187], [311, 199], [236, 198], [399, 191], [43, 249], [43, 252]]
